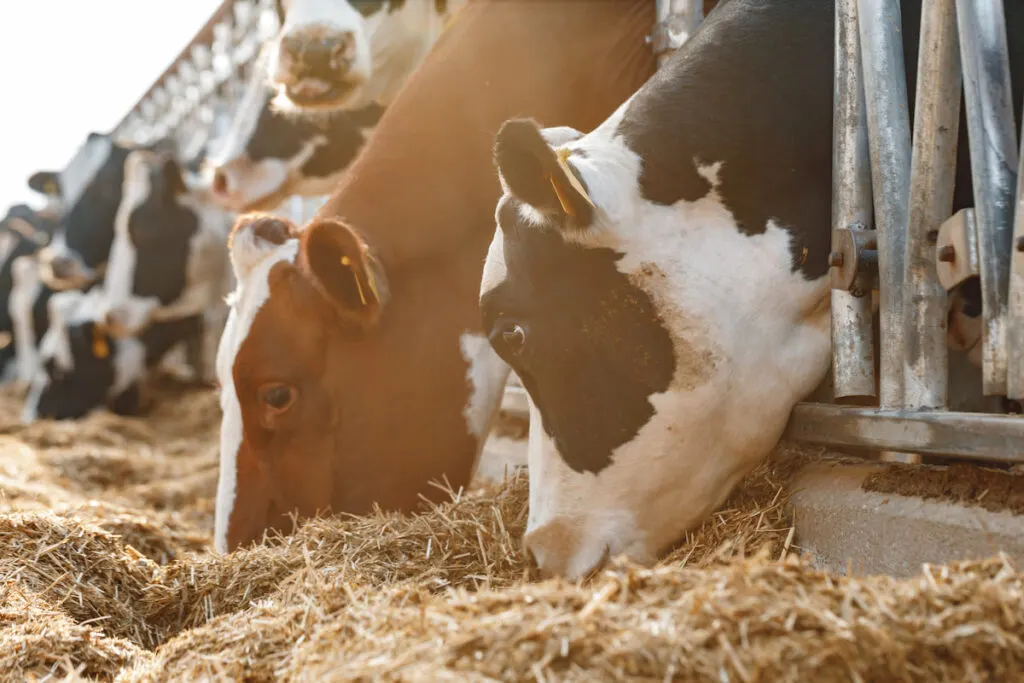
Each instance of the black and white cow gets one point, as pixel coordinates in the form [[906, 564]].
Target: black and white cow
[[333, 54], [91, 193], [268, 156], [169, 258], [82, 367], [660, 284], [23, 231]]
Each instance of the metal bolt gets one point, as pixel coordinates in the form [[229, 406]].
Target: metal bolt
[[1020, 243], [835, 259], [947, 254]]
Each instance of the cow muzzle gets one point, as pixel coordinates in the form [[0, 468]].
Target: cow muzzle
[[319, 68]]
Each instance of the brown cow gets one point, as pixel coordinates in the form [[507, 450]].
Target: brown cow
[[353, 369]]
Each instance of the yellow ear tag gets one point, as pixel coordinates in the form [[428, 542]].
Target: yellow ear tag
[[50, 187], [347, 262], [100, 349], [562, 156]]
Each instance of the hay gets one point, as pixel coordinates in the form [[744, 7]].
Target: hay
[[106, 573], [38, 641]]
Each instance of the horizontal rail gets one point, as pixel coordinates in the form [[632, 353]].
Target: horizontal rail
[[967, 435]]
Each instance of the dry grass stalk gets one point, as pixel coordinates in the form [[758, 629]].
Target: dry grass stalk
[[104, 553]]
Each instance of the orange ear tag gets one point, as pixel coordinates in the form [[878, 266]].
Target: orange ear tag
[[562, 156], [100, 348], [347, 262]]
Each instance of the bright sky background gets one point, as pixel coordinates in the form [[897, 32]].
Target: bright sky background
[[72, 66]]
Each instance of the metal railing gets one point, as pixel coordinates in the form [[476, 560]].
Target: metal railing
[[906, 254]]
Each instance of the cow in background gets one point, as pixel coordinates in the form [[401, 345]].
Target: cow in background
[[347, 54], [268, 156], [23, 231], [82, 367], [169, 258]]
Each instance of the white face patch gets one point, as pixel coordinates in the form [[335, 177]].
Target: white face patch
[[252, 292], [495, 269]]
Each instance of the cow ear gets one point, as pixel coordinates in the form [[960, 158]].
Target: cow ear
[[46, 183], [345, 271], [538, 175]]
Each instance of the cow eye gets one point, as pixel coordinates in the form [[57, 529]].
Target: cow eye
[[513, 337], [277, 396]]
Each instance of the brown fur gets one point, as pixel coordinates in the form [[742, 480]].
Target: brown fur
[[381, 404]]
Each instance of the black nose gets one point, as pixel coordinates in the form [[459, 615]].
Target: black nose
[[63, 267], [326, 57]]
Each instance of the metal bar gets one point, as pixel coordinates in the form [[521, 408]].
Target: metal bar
[[991, 134], [967, 435], [885, 89], [515, 401], [853, 357], [676, 21], [1015, 312], [932, 176]]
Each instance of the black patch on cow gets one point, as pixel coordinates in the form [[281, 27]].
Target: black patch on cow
[[128, 402], [88, 226], [72, 394], [159, 338], [596, 346], [277, 136], [751, 89], [161, 230]]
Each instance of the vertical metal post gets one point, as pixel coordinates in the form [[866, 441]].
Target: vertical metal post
[[853, 360], [1015, 313], [885, 90], [991, 134], [676, 21], [932, 175]]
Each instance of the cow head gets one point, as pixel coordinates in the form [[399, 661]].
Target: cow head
[[81, 367], [91, 189], [661, 346], [268, 155], [314, 356], [344, 54]]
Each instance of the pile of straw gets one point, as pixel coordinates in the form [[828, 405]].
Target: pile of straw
[[106, 573]]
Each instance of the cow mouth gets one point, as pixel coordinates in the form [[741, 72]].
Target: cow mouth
[[318, 93]]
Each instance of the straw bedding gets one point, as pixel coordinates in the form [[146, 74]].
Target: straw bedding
[[106, 573]]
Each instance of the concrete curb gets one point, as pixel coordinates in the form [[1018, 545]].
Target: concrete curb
[[844, 526]]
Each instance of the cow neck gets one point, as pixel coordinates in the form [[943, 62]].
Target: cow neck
[[425, 183]]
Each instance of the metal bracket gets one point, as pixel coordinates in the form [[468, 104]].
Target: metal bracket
[[853, 261], [956, 250]]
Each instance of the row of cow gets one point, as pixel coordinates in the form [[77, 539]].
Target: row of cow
[[128, 262], [659, 284]]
